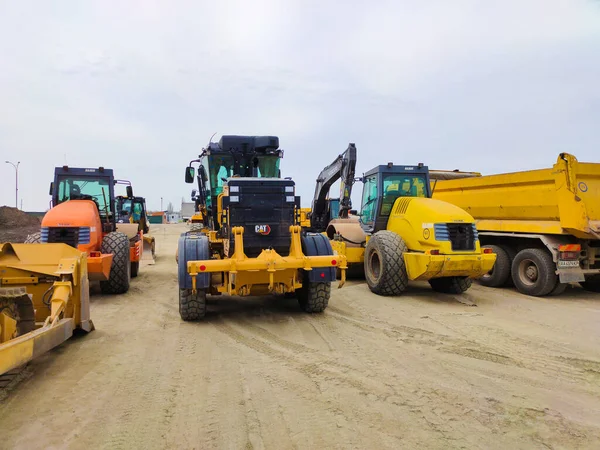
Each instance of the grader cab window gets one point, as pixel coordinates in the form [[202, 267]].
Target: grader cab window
[[222, 167]]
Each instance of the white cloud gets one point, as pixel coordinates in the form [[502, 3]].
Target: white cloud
[[141, 85]]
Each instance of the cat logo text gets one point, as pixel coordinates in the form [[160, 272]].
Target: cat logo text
[[262, 229]]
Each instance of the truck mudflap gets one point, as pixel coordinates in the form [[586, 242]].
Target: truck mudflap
[[424, 266], [279, 274]]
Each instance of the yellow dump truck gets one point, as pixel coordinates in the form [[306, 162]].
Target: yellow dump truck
[[543, 225]]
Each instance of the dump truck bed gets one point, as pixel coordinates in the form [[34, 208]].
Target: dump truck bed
[[563, 199]]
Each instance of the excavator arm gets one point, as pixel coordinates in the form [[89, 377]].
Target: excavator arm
[[342, 167]]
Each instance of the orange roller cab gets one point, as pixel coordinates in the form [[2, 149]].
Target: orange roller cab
[[84, 216]]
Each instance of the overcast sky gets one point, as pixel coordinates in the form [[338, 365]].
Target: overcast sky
[[140, 86]]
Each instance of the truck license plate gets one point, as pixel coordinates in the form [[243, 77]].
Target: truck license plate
[[569, 264]]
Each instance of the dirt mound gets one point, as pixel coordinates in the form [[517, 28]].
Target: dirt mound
[[16, 225]]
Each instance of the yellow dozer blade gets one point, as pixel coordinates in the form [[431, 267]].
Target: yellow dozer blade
[[148, 253], [44, 297]]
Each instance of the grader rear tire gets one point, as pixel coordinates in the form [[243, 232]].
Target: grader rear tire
[[314, 297], [192, 306], [385, 270], [120, 270]]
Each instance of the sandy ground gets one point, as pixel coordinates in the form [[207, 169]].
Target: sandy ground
[[420, 371]]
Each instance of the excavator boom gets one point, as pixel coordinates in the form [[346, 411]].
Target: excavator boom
[[343, 167]]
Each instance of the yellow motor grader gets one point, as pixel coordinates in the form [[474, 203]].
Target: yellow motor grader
[[44, 298]]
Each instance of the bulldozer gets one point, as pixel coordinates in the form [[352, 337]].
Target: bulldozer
[[44, 298], [401, 233], [83, 215], [251, 242], [132, 210]]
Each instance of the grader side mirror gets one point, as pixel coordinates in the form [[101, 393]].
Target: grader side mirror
[[189, 174], [51, 188], [129, 191]]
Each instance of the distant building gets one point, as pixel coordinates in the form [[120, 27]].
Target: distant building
[[157, 217], [187, 210], [174, 217]]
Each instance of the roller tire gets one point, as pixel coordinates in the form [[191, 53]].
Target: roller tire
[[34, 238], [135, 269], [451, 285], [385, 270], [314, 297], [591, 285], [117, 244], [500, 273], [192, 306], [543, 268]]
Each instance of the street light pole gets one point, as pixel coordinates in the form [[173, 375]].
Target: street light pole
[[16, 181]]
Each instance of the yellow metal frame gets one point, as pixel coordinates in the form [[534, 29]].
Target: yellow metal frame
[[40, 269], [425, 266], [268, 272]]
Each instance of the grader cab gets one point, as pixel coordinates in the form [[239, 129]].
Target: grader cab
[[252, 242]]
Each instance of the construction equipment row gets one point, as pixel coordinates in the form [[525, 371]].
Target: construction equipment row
[[87, 235], [539, 230]]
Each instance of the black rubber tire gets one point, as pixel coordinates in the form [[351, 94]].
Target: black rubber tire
[[34, 238], [543, 278], [192, 306], [314, 297], [511, 252], [559, 288], [385, 270], [120, 270], [500, 273], [591, 285], [135, 269], [450, 285]]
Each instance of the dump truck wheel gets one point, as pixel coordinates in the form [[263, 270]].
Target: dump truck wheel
[[385, 270], [135, 269], [450, 285], [192, 306], [559, 288], [591, 285], [314, 297], [533, 272], [34, 238], [500, 273], [120, 271], [511, 253]]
